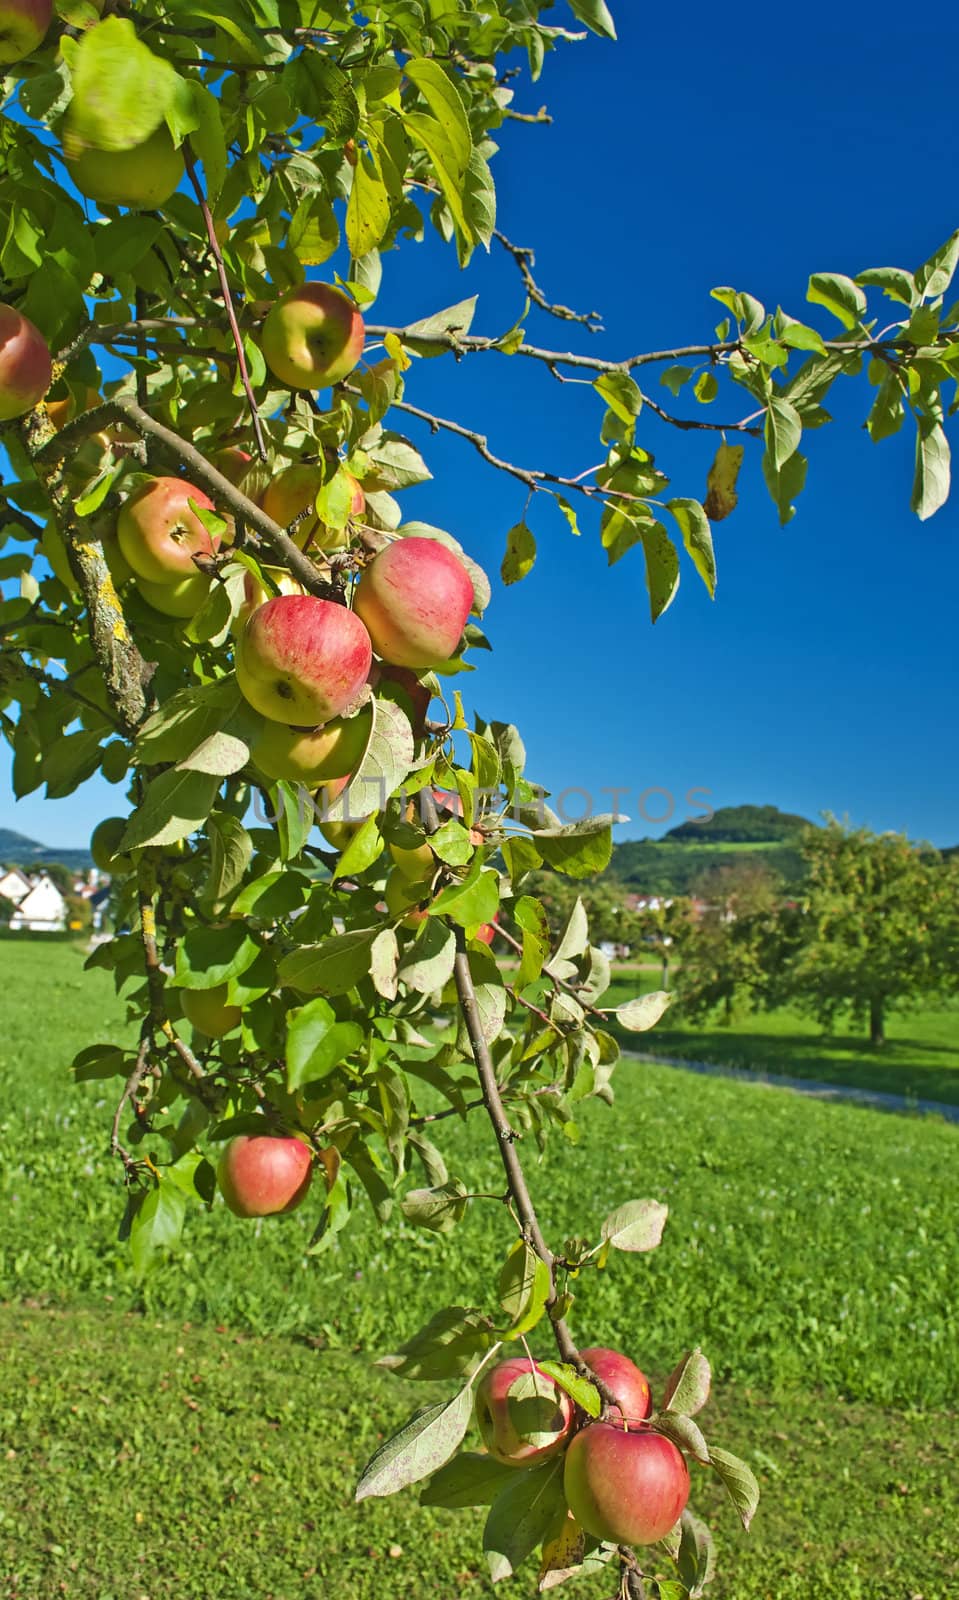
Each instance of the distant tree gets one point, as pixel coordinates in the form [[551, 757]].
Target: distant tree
[[666, 928], [733, 955], [879, 926]]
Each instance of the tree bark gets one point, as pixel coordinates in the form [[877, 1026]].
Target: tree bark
[[877, 1032]]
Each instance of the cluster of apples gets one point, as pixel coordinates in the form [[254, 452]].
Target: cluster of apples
[[624, 1483]]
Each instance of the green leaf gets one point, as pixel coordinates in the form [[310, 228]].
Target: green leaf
[[636, 1226], [431, 336], [585, 1394], [569, 514], [316, 1042], [469, 1479], [428, 962], [673, 378], [333, 965], [271, 897], [156, 1225], [444, 148], [100, 1061], [388, 759], [695, 1558], [888, 412], [798, 337], [740, 1481], [706, 388], [231, 850], [474, 901], [176, 804], [438, 1209], [687, 1388], [621, 393], [936, 274], [70, 760], [783, 430], [419, 1448], [449, 1346], [662, 567], [580, 850], [684, 1433], [527, 1511], [596, 15], [694, 527], [520, 554], [207, 137], [443, 99], [121, 90], [644, 1012], [838, 294], [930, 487], [524, 1288], [368, 210], [893, 281], [531, 918], [722, 497], [189, 718], [207, 957], [785, 485]]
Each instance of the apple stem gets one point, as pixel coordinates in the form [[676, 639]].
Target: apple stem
[[225, 290]]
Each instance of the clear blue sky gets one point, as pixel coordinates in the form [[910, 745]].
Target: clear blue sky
[[692, 154]]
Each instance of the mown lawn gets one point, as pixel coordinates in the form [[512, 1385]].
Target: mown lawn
[[201, 1433]]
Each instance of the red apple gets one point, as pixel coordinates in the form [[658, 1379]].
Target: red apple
[[262, 1174], [312, 755], [291, 492], [232, 462], [313, 337], [487, 933], [523, 1416], [256, 594], [25, 365], [624, 1379], [414, 598], [301, 660], [23, 24], [622, 1487], [160, 535], [142, 177], [181, 599], [209, 1011]]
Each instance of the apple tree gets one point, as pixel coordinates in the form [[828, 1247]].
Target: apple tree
[[213, 597]]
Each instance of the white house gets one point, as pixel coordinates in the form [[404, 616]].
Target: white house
[[41, 908], [14, 884]]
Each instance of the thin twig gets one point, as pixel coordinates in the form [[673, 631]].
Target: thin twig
[[227, 294], [146, 889], [526, 260], [129, 1089]]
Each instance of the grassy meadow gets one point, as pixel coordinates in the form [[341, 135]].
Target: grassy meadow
[[201, 1433]]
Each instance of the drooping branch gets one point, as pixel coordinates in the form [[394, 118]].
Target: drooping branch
[[226, 493], [525, 260]]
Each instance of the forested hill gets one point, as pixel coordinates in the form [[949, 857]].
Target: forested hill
[[675, 863], [19, 851]]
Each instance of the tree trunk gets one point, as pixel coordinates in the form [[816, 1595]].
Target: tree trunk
[[877, 1034]]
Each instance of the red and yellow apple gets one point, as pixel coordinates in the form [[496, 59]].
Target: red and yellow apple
[[522, 1415], [312, 337], [263, 1174], [312, 755], [301, 660], [256, 594], [623, 1487], [209, 1011], [623, 1379], [294, 491], [159, 535], [414, 598], [25, 365], [232, 462], [23, 25], [142, 177]]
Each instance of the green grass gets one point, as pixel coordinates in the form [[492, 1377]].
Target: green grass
[[920, 1057], [812, 1250]]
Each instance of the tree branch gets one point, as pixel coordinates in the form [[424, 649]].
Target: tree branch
[[525, 260], [129, 1089]]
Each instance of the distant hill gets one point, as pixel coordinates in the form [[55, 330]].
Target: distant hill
[[673, 864], [19, 851]]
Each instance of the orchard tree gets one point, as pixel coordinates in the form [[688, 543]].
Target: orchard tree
[[877, 927], [733, 953], [223, 608]]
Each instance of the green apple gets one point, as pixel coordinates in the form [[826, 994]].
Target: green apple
[[313, 337], [142, 177], [209, 1011]]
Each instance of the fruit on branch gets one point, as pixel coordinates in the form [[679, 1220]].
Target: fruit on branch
[[294, 491], [261, 1175], [337, 832], [623, 1379], [522, 1415], [414, 862], [142, 177], [301, 660], [181, 599], [209, 1011], [23, 24], [622, 1487], [105, 845], [312, 755], [232, 462], [256, 594], [313, 337], [25, 365], [414, 598], [159, 535], [487, 932], [409, 901]]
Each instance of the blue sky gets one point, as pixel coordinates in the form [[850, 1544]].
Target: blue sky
[[687, 155]]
